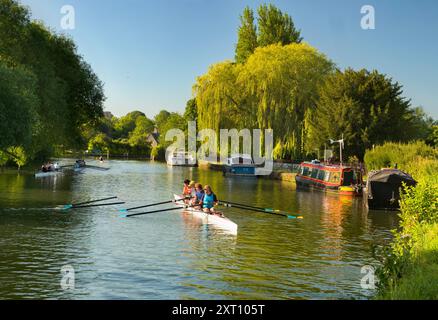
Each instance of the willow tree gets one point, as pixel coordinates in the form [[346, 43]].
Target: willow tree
[[282, 81], [221, 103]]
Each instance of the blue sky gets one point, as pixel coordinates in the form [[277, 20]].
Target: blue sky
[[149, 53]]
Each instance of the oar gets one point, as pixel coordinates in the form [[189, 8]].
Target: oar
[[227, 204], [96, 167], [69, 206], [98, 205], [153, 204], [155, 211], [268, 210]]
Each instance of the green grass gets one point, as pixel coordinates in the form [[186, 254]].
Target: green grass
[[420, 279]]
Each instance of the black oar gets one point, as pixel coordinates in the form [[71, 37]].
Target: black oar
[[96, 167], [268, 210], [153, 204], [256, 209], [98, 205], [155, 211], [69, 206]]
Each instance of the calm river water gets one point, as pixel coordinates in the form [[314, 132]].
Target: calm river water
[[173, 255]]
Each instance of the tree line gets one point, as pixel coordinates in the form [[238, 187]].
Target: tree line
[[48, 93], [131, 134], [279, 82], [51, 100]]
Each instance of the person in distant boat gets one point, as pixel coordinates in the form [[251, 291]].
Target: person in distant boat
[[43, 168], [199, 195], [101, 159], [209, 201]]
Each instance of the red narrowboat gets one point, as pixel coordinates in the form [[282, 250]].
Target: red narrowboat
[[329, 178]]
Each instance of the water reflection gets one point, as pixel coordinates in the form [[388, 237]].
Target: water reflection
[[174, 255]]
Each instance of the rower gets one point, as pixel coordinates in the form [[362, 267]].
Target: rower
[[199, 195], [187, 190], [209, 201]]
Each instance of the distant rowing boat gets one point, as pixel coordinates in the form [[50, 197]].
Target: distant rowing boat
[[221, 222], [42, 174]]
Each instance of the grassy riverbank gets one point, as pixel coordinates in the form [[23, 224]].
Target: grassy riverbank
[[410, 266], [420, 278]]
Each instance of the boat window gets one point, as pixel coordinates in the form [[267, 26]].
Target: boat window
[[314, 174], [348, 178], [306, 171], [321, 175], [327, 176], [335, 177]]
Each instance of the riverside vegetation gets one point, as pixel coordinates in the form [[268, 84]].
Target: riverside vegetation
[[410, 265]]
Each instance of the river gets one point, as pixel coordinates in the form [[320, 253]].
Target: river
[[172, 255]]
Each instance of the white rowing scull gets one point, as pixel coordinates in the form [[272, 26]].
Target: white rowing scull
[[213, 219]]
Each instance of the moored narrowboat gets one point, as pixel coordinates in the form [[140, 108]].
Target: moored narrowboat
[[384, 187], [338, 179]]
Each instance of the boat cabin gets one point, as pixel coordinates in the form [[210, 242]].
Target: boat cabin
[[240, 165], [181, 158], [240, 159]]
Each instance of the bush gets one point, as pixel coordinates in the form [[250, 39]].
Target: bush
[[158, 153], [402, 267], [406, 156]]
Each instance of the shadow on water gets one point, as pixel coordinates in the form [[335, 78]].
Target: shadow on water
[[174, 255]]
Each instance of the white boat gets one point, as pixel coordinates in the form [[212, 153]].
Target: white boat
[[216, 220], [182, 159], [41, 174]]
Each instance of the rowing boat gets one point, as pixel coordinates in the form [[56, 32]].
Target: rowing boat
[[41, 174], [213, 219]]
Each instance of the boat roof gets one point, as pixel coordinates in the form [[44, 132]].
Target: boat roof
[[238, 155], [326, 166], [390, 176]]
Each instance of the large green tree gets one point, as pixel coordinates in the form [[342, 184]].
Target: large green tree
[[247, 36], [272, 90], [18, 103], [366, 107], [143, 127], [191, 111], [68, 94]]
